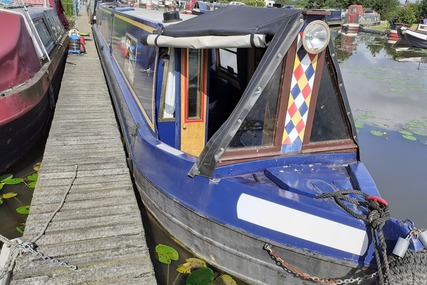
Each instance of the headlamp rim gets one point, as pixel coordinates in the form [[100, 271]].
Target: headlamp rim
[[310, 25]]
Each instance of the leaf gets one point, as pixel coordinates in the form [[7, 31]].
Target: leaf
[[201, 276], [21, 228], [24, 210], [191, 264], [5, 177], [423, 134], [377, 133], [36, 166], [1, 200], [359, 125], [165, 253], [32, 185], [407, 133], [1, 185], [33, 177], [409, 137], [13, 181], [9, 195], [224, 279]]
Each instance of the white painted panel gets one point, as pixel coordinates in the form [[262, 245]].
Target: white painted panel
[[301, 225]]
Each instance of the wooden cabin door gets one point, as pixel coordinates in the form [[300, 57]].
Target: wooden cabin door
[[193, 100]]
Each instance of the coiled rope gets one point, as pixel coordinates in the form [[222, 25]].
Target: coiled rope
[[378, 214]]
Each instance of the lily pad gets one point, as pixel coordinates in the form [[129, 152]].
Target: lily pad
[[191, 264], [21, 228], [419, 133], [9, 195], [13, 181], [377, 133], [201, 276], [405, 133], [33, 177], [24, 210], [409, 137], [32, 184], [36, 166], [165, 253], [5, 177], [359, 125], [224, 279]]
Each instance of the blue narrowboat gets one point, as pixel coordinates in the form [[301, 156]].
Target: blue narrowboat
[[242, 144]]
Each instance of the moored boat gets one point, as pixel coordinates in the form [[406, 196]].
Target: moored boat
[[32, 59], [413, 37], [243, 147]]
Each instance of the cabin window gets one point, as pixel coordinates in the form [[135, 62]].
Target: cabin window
[[258, 128], [228, 60], [194, 85], [329, 121], [131, 50], [167, 60], [44, 34]]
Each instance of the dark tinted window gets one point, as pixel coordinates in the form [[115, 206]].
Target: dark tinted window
[[329, 122]]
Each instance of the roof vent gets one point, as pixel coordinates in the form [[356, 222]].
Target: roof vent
[[171, 16]]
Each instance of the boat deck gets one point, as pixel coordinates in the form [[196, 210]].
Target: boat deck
[[99, 227]]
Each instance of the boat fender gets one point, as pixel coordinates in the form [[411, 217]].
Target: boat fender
[[423, 238], [401, 246]]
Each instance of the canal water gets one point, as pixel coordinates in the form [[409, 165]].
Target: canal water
[[387, 90]]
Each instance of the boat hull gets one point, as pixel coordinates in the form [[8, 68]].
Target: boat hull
[[416, 38], [33, 103], [235, 252]]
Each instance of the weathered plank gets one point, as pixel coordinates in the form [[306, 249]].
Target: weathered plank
[[99, 227]]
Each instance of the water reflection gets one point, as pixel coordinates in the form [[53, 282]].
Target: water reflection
[[386, 85]]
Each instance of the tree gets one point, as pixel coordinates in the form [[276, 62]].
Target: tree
[[316, 4], [386, 8], [423, 9], [407, 14]]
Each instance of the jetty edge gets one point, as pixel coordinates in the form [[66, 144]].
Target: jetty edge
[[97, 236]]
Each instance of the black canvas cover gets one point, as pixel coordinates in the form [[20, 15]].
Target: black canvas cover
[[234, 20]]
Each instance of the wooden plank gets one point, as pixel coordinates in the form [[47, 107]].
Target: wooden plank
[[99, 228]]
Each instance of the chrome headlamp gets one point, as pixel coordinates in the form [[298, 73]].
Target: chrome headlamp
[[316, 37]]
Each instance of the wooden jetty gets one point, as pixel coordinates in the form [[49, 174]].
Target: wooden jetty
[[99, 227]]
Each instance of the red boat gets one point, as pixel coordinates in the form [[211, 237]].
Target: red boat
[[33, 51]]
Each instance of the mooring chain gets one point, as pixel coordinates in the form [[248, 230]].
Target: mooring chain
[[299, 273], [17, 247], [31, 248]]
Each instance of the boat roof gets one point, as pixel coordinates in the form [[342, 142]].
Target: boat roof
[[18, 57], [230, 26], [233, 20]]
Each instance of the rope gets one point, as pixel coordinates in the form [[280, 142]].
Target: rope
[[378, 214], [18, 247], [36, 238]]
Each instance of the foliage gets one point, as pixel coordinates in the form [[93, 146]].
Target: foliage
[[23, 210], [201, 276], [386, 8], [29, 180], [165, 254], [191, 264], [196, 269], [407, 14], [422, 9]]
